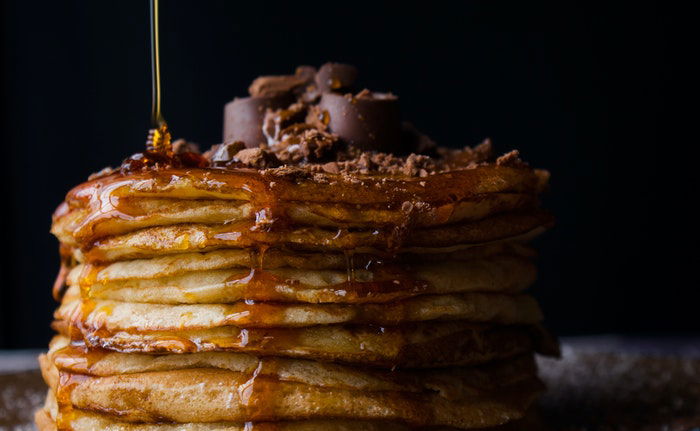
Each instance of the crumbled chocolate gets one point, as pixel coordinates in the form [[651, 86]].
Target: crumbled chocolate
[[182, 146], [279, 119], [275, 85], [312, 123], [416, 165], [317, 118], [467, 156], [307, 73], [257, 158], [302, 142], [335, 77], [331, 168], [222, 153], [511, 158]]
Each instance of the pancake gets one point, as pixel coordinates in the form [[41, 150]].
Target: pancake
[[85, 421], [111, 198], [138, 213], [217, 277], [183, 238], [410, 345], [79, 360], [128, 316], [216, 395]]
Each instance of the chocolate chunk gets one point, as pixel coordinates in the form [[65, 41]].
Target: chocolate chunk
[[275, 121], [225, 152], [370, 122], [307, 73], [243, 117], [256, 158], [511, 159], [274, 86], [317, 117], [335, 77], [182, 146], [331, 168], [415, 165], [301, 142], [467, 156]]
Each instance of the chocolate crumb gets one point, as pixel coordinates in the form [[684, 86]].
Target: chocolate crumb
[[273, 86], [511, 158], [225, 152], [257, 158], [182, 146], [331, 168]]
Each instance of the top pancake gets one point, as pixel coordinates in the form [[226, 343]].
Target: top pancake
[[215, 208]]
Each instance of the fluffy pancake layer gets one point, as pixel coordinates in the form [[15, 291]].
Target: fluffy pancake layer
[[211, 388], [114, 205], [225, 276], [84, 421]]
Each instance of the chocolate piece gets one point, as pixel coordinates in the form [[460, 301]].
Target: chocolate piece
[[222, 153], [243, 117], [467, 156], [182, 146], [511, 159], [274, 86], [369, 122], [302, 142], [317, 117], [275, 121], [307, 73], [335, 77], [256, 158], [331, 168], [415, 165]]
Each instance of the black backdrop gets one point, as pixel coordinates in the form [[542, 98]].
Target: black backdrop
[[582, 90]]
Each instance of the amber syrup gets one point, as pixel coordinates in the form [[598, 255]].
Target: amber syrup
[[159, 139]]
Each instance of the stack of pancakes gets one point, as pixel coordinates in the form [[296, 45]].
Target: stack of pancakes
[[244, 298]]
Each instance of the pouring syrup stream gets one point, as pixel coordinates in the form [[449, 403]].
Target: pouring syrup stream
[[159, 139]]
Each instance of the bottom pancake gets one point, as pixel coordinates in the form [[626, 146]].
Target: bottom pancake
[[79, 420], [83, 421], [474, 397]]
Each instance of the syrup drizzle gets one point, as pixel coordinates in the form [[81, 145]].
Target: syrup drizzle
[[159, 138]]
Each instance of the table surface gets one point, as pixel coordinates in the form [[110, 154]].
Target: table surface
[[601, 383]]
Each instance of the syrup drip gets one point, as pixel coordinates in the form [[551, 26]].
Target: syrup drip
[[159, 139], [67, 262], [66, 384]]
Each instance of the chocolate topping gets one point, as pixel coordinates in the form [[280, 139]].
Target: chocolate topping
[[302, 142], [302, 125], [275, 121], [225, 152], [181, 146], [274, 86], [335, 77], [511, 158], [257, 158], [243, 117], [369, 121]]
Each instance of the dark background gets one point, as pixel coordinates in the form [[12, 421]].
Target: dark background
[[586, 91]]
